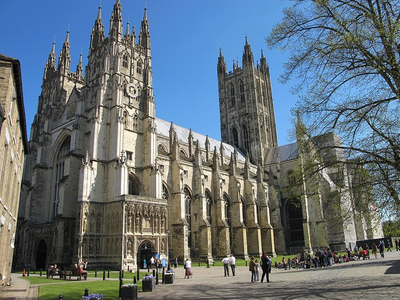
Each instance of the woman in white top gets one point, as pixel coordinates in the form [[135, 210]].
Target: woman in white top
[[188, 267]]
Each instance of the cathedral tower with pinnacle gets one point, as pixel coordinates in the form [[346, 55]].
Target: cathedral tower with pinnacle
[[246, 106]]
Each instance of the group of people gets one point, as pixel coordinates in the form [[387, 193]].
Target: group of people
[[254, 268], [229, 261]]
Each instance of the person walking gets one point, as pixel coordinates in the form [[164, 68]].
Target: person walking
[[265, 266], [382, 249], [232, 262], [252, 269], [188, 268], [225, 261]]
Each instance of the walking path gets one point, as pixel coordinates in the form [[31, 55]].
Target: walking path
[[364, 279]]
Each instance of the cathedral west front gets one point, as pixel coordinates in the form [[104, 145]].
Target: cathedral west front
[[108, 181]]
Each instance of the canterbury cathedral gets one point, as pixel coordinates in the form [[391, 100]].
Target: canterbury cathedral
[[108, 181]]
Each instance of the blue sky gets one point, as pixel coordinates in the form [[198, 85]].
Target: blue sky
[[186, 37]]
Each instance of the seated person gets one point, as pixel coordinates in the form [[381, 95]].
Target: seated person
[[80, 272]]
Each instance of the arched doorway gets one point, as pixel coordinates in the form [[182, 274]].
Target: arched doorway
[[145, 252], [41, 254]]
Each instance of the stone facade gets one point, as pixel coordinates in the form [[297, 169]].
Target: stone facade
[[109, 182], [13, 149]]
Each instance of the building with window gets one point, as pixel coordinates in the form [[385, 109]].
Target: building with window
[[14, 147], [110, 182]]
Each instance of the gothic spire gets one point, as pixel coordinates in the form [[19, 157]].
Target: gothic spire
[[64, 61], [116, 22], [97, 36], [221, 63], [144, 36], [127, 33], [79, 68], [51, 62], [248, 57], [263, 61]]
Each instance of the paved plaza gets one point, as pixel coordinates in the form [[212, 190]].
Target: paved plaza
[[370, 279]]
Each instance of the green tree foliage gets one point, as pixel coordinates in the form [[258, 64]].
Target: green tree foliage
[[391, 228], [345, 58]]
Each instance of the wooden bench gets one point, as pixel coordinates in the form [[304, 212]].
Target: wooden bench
[[74, 272]]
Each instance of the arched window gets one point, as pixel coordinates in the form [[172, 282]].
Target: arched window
[[135, 122], [291, 178], [133, 187], [139, 67], [59, 168], [233, 102], [188, 214], [243, 210], [246, 138], [242, 96], [209, 207], [227, 210], [125, 60], [165, 194], [235, 137]]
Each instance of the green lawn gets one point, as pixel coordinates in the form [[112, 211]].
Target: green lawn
[[51, 288]]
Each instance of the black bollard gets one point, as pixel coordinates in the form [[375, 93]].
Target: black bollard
[[60, 297], [104, 274], [86, 293], [213, 263], [154, 275], [134, 279], [138, 273], [208, 263], [163, 276], [121, 275], [128, 268]]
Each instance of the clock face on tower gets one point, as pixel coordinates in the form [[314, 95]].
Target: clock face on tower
[[132, 90]]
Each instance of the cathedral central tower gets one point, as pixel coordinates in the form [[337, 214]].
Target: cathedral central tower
[[246, 106]]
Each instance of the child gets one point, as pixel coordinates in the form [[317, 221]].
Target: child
[[257, 270]]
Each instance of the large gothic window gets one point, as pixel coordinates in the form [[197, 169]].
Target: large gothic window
[[295, 217], [232, 95], [235, 137], [246, 138], [242, 96], [59, 168], [188, 214]]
